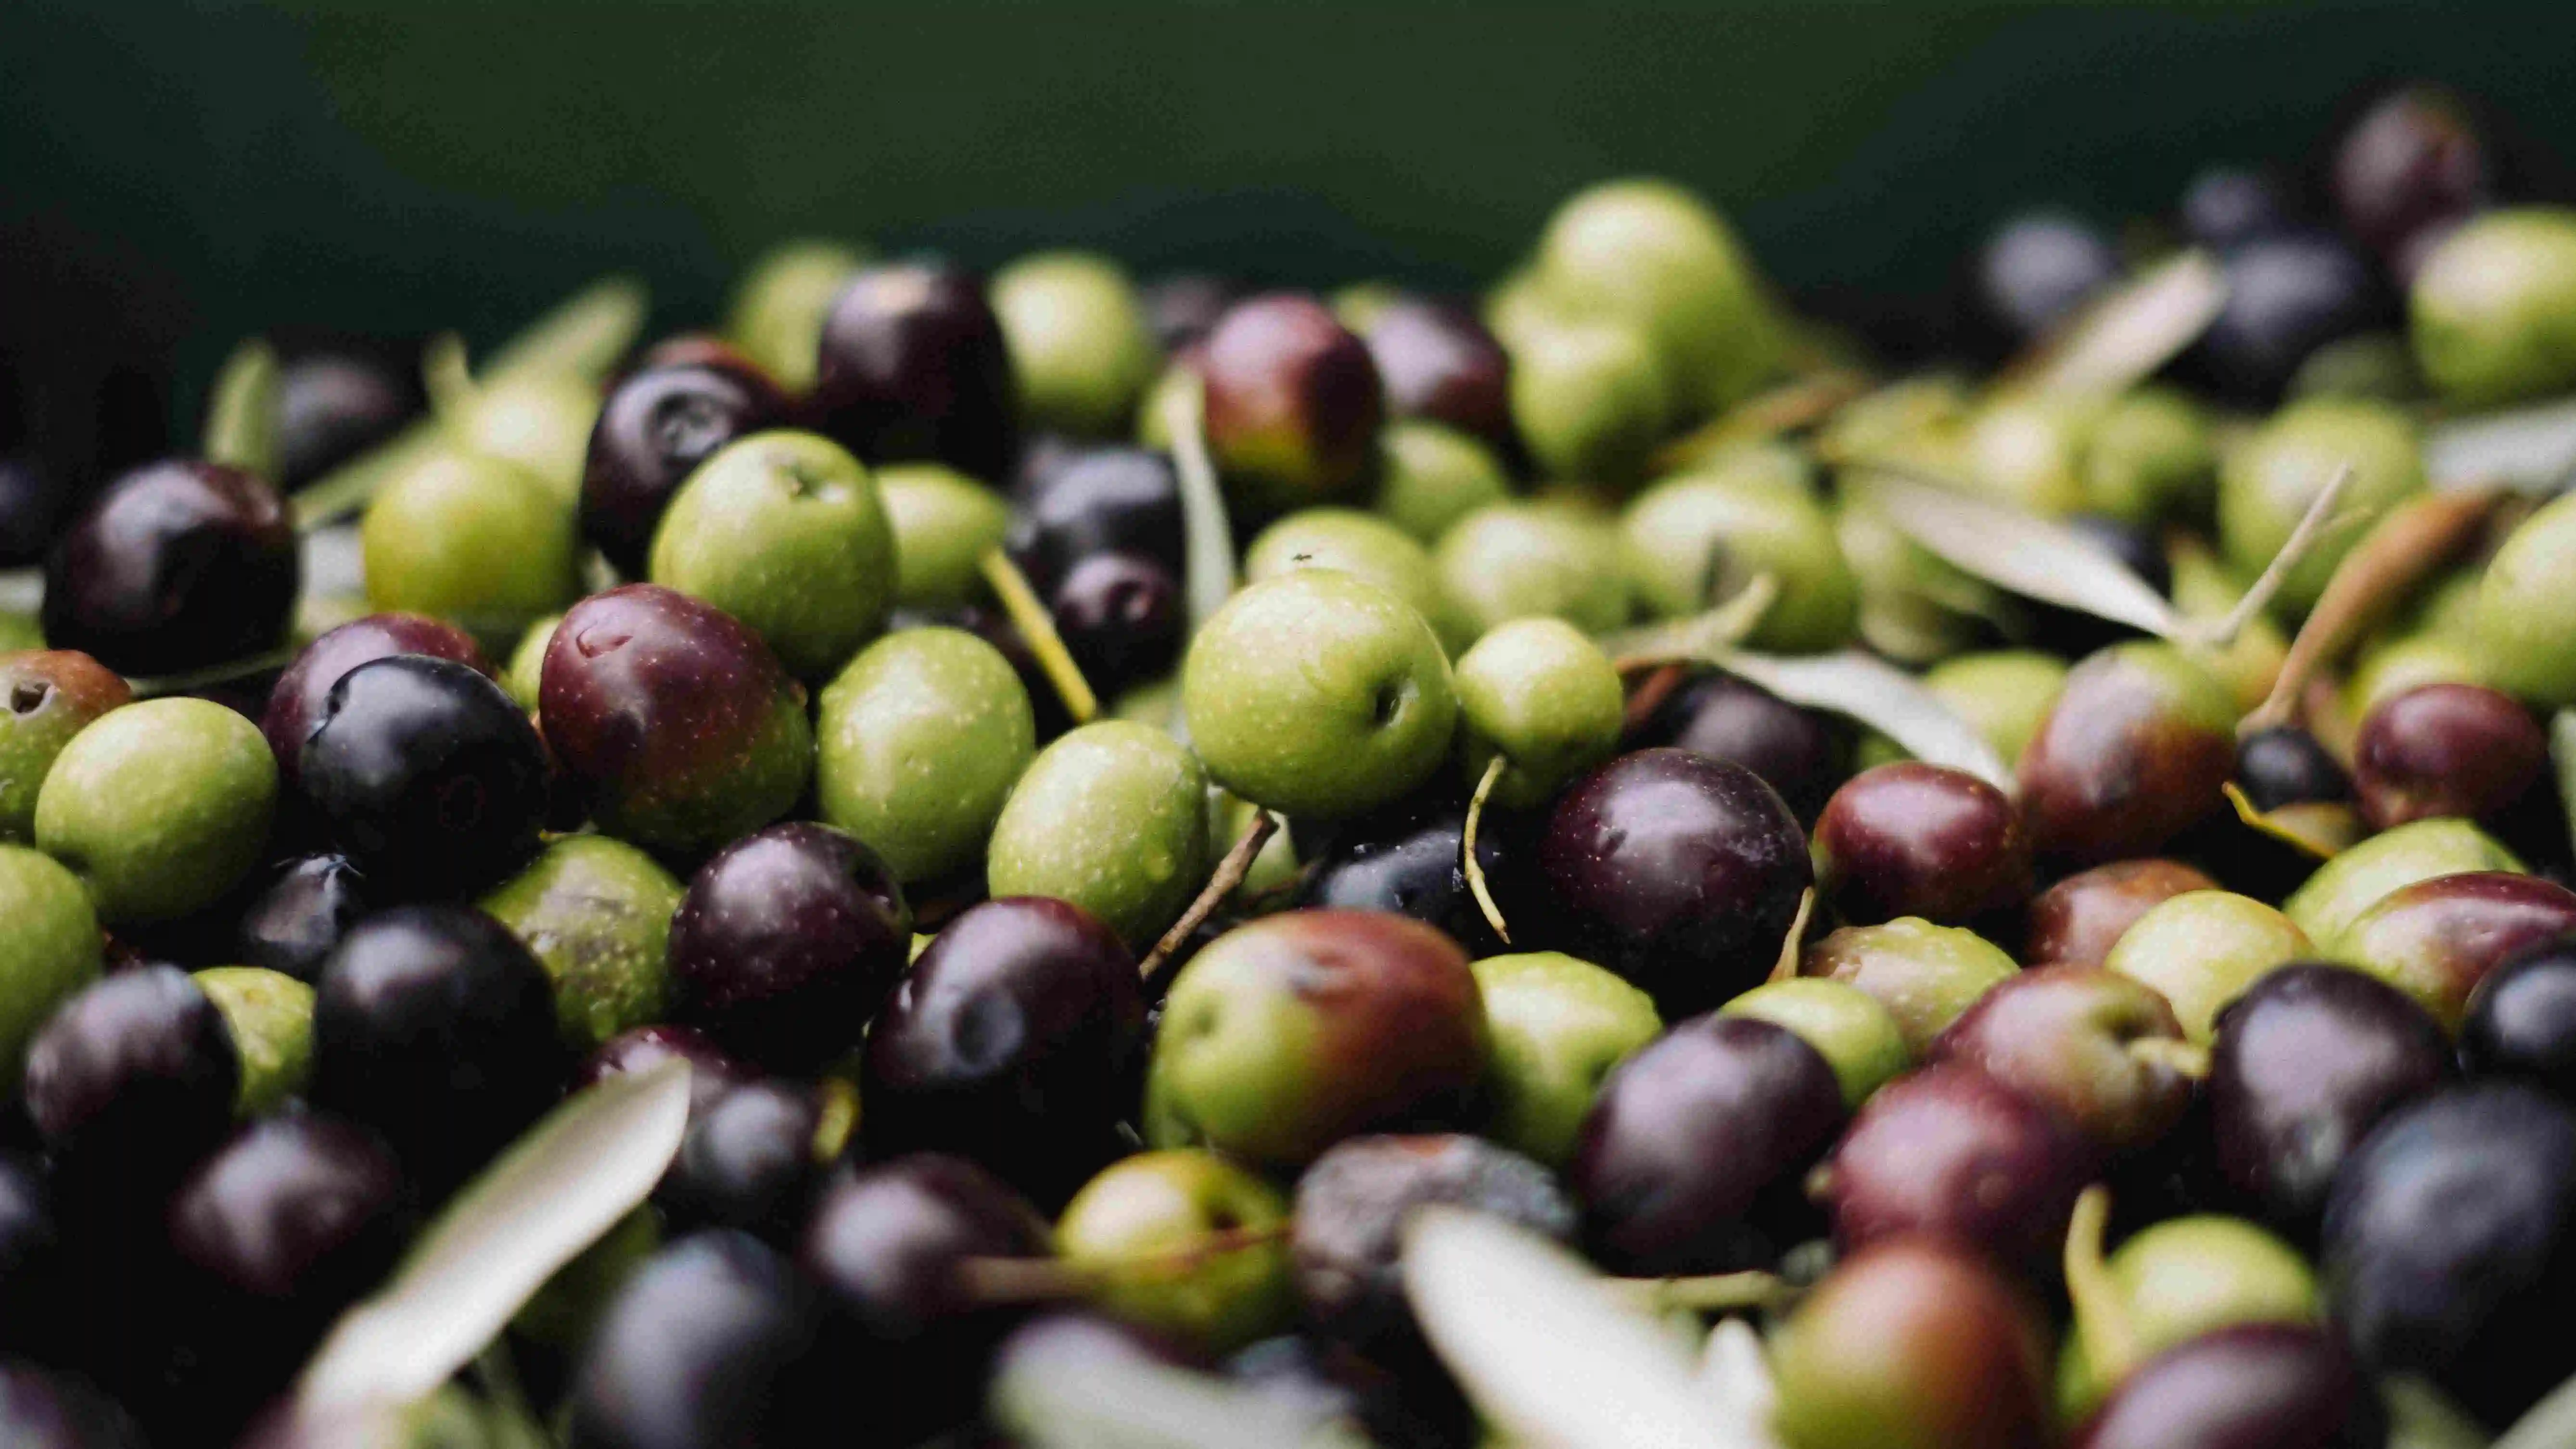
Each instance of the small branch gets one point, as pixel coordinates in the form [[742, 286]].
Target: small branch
[[994, 1281], [241, 419], [213, 674], [1474, 868], [1712, 1293], [2181, 1057], [2101, 1319], [2303, 538], [1786, 967], [1229, 874], [1648, 697], [1037, 628]]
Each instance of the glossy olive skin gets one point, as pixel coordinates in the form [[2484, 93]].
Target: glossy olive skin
[[712, 1072], [1691, 1157], [1801, 753], [747, 1162], [175, 566], [1293, 402], [694, 1350], [2039, 268], [1405, 858], [1351, 1203], [435, 1027], [2248, 1386], [1910, 839], [1913, 1344], [295, 701], [1097, 499], [424, 771], [1012, 1041], [301, 1213], [785, 942], [2437, 939], [1951, 1151], [2060, 1035], [655, 427], [2133, 753], [2305, 1064], [2284, 765], [1121, 617], [2448, 1244], [334, 405], [1678, 871], [133, 1078], [912, 364], [1440, 364], [675, 716], [2522, 1020], [2412, 161], [2445, 749], [2079, 919], [292, 924]]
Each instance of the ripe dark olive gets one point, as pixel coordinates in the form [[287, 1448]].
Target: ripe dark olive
[[785, 943], [1406, 858], [1692, 1155], [654, 429], [424, 772], [1952, 1152], [2062, 1036], [2522, 1020], [2306, 1062], [1910, 839], [912, 364], [1801, 753], [1184, 307], [1678, 871], [1441, 364], [1293, 403], [41, 1408], [300, 1206], [2437, 939], [2135, 751], [2078, 920], [694, 1350], [1121, 617], [1347, 1236], [2250, 1386], [711, 1072], [133, 1078], [295, 702], [747, 1162], [31, 508], [2287, 296], [295, 921], [2446, 749], [2284, 765], [435, 1027], [1098, 499], [2450, 1245], [2411, 161], [2039, 268], [332, 406], [1012, 1041], [32, 1277], [2227, 206], [175, 566]]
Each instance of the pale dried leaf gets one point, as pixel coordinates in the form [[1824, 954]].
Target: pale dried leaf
[[2035, 557], [2529, 450], [2121, 340], [1878, 694]]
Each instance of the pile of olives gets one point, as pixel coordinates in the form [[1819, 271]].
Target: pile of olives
[[1121, 794]]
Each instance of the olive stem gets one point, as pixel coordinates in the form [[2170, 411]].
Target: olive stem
[[445, 377], [1207, 534], [241, 417], [1699, 638], [2102, 1323], [2189, 1059], [213, 674], [1037, 629], [1792, 945], [1648, 697], [1467, 861], [1711, 1293], [838, 1119], [993, 1281], [1229, 873], [2311, 526]]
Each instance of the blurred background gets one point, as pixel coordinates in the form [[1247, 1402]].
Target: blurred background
[[176, 175]]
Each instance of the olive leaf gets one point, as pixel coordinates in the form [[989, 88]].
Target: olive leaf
[[2420, 1417], [1878, 694], [241, 413], [2036, 557], [1736, 1375], [1058, 1393], [556, 1190], [2121, 340], [2529, 450], [2549, 1424], [1545, 1354], [1207, 534]]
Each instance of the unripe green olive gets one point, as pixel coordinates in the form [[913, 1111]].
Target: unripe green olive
[[2151, 458], [2187, 1276], [1545, 698], [270, 1015], [1431, 476], [1520, 560], [2391, 667], [1927, 976], [1559, 1026], [528, 662], [596, 913], [2202, 949], [944, 523], [1661, 260], [2347, 886], [475, 540], [1856, 1035], [1132, 1228], [1590, 399], [1080, 344], [2494, 307], [1112, 817], [777, 313], [2027, 449], [2526, 612], [1692, 541], [918, 743], [2267, 484], [1357, 543]]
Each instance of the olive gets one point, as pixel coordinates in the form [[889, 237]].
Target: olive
[[2357, 879], [1430, 476], [920, 741], [134, 1075], [2202, 949], [712, 1073], [2247, 1386], [1351, 1206], [2288, 294], [2078, 920], [2152, 456], [1079, 339], [1695, 540], [1559, 1026], [1407, 858], [2437, 939], [435, 1027], [1356, 543], [1522, 559], [785, 942], [2186, 1276], [1101, 499], [2305, 1063], [2413, 160], [1439, 364], [1912, 1344], [748, 1161], [912, 364], [2450, 1244], [1953, 1152], [332, 405], [1801, 753], [2489, 307], [694, 1351], [2284, 765], [295, 703], [944, 523], [424, 771], [657, 425], [52, 695], [1539, 696], [1112, 819], [293, 922], [1120, 616], [2445, 749], [2062, 1035], [2039, 268], [1691, 1158], [2519, 626], [1858, 1037], [2521, 1020], [2134, 752], [2268, 484], [2226, 206], [1012, 1040], [1678, 871], [472, 538], [778, 306], [1591, 398], [1909, 839], [1184, 1205], [596, 913], [1659, 259], [288, 1223], [1293, 403], [174, 566], [1927, 976]]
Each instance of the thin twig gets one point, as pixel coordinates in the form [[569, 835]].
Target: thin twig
[[1792, 945], [1710, 1293], [1650, 696], [1229, 874], [1467, 862], [1037, 629], [2101, 1319], [2189, 1059], [995, 1280], [2311, 527]]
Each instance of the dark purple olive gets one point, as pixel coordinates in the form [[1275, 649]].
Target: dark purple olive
[[2413, 160], [424, 772], [435, 1027], [2450, 1245], [2225, 207], [712, 1073], [2287, 295], [31, 508], [334, 405], [300, 1207], [1910, 839], [2136, 750], [2284, 765], [2522, 1020], [295, 702], [1954, 1153], [1440, 364], [656, 426], [2062, 1035], [1121, 618], [2249, 1386], [1799, 752], [1184, 307], [133, 1078], [2306, 1062], [1012, 1041], [1406, 859], [695, 1351], [1096, 499], [912, 365], [175, 566], [41, 1408], [2078, 920], [747, 1162], [2039, 268], [1293, 404], [1691, 1158], [1347, 1236], [32, 1276], [295, 921], [786, 942], [2446, 749], [1678, 871]]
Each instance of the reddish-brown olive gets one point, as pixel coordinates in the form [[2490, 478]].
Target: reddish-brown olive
[[1911, 839], [1293, 403], [2078, 920], [2136, 750], [656, 426], [2446, 749], [2437, 939], [1441, 364], [1955, 1153], [2063, 1035]]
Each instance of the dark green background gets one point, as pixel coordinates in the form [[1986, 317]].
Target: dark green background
[[175, 175]]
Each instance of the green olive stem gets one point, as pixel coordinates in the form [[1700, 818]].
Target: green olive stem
[[1229, 874], [837, 1120], [1794, 944], [213, 674], [241, 416], [1037, 628], [446, 376], [993, 1281], [1207, 535], [2189, 1059], [2101, 1319], [1467, 861], [2312, 526], [1711, 1293]]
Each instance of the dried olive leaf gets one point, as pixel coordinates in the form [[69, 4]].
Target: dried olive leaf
[[1881, 696], [2120, 341], [2036, 557], [2530, 450]]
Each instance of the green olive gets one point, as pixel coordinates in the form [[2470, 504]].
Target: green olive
[[2347, 886], [596, 913], [271, 1017], [539, 421], [1897, 419], [2526, 613], [1431, 476], [475, 540], [1559, 1026], [1857, 1037], [2027, 449], [528, 662], [2267, 484], [1590, 400], [1356, 543], [2202, 949], [1664, 262], [2151, 458], [52, 949], [944, 523], [2493, 307], [1112, 817], [159, 807], [1522, 560], [1927, 976], [2390, 667], [2379, 366], [1080, 345], [1545, 698], [1131, 1231], [918, 743], [2186, 1276], [1692, 541], [777, 313], [2003, 695]]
